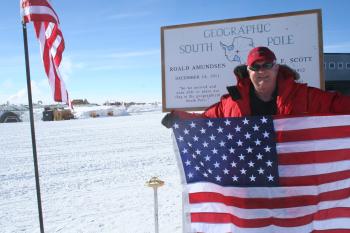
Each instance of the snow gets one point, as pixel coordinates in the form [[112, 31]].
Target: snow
[[92, 174]]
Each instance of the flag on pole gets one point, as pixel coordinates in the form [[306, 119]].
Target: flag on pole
[[264, 174], [49, 34]]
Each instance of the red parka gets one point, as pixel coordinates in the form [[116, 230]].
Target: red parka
[[292, 98]]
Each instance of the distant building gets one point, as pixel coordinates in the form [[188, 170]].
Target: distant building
[[337, 72], [80, 102]]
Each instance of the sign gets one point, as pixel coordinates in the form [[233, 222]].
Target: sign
[[198, 59]]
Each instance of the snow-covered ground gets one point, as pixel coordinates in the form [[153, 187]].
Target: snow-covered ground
[[92, 173]]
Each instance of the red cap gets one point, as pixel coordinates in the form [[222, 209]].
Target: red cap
[[260, 54]]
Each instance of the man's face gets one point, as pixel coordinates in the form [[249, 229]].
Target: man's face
[[264, 78]]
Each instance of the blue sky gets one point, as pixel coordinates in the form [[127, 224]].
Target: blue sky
[[113, 46]]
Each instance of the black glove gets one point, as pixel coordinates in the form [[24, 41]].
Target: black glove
[[169, 119]]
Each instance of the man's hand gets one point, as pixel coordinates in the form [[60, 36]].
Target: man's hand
[[169, 119]]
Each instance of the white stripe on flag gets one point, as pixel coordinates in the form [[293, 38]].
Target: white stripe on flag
[[310, 122], [63, 90], [339, 223], [313, 145], [49, 30], [313, 169], [268, 192], [56, 43]]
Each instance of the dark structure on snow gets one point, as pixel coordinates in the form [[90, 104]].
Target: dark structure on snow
[[8, 117], [47, 114]]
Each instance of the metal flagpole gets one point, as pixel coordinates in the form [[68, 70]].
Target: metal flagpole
[[29, 89], [154, 183]]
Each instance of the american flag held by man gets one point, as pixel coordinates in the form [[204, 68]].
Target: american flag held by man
[[259, 174]]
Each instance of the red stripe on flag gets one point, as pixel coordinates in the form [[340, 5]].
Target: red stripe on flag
[[38, 18], [46, 59], [339, 212], [313, 134], [37, 27], [313, 157], [26, 3], [331, 231], [315, 179], [268, 203], [58, 92], [59, 49]]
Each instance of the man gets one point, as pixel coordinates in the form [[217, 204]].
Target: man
[[266, 88]]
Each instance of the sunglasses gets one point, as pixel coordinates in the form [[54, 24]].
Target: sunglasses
[[265, 66]]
